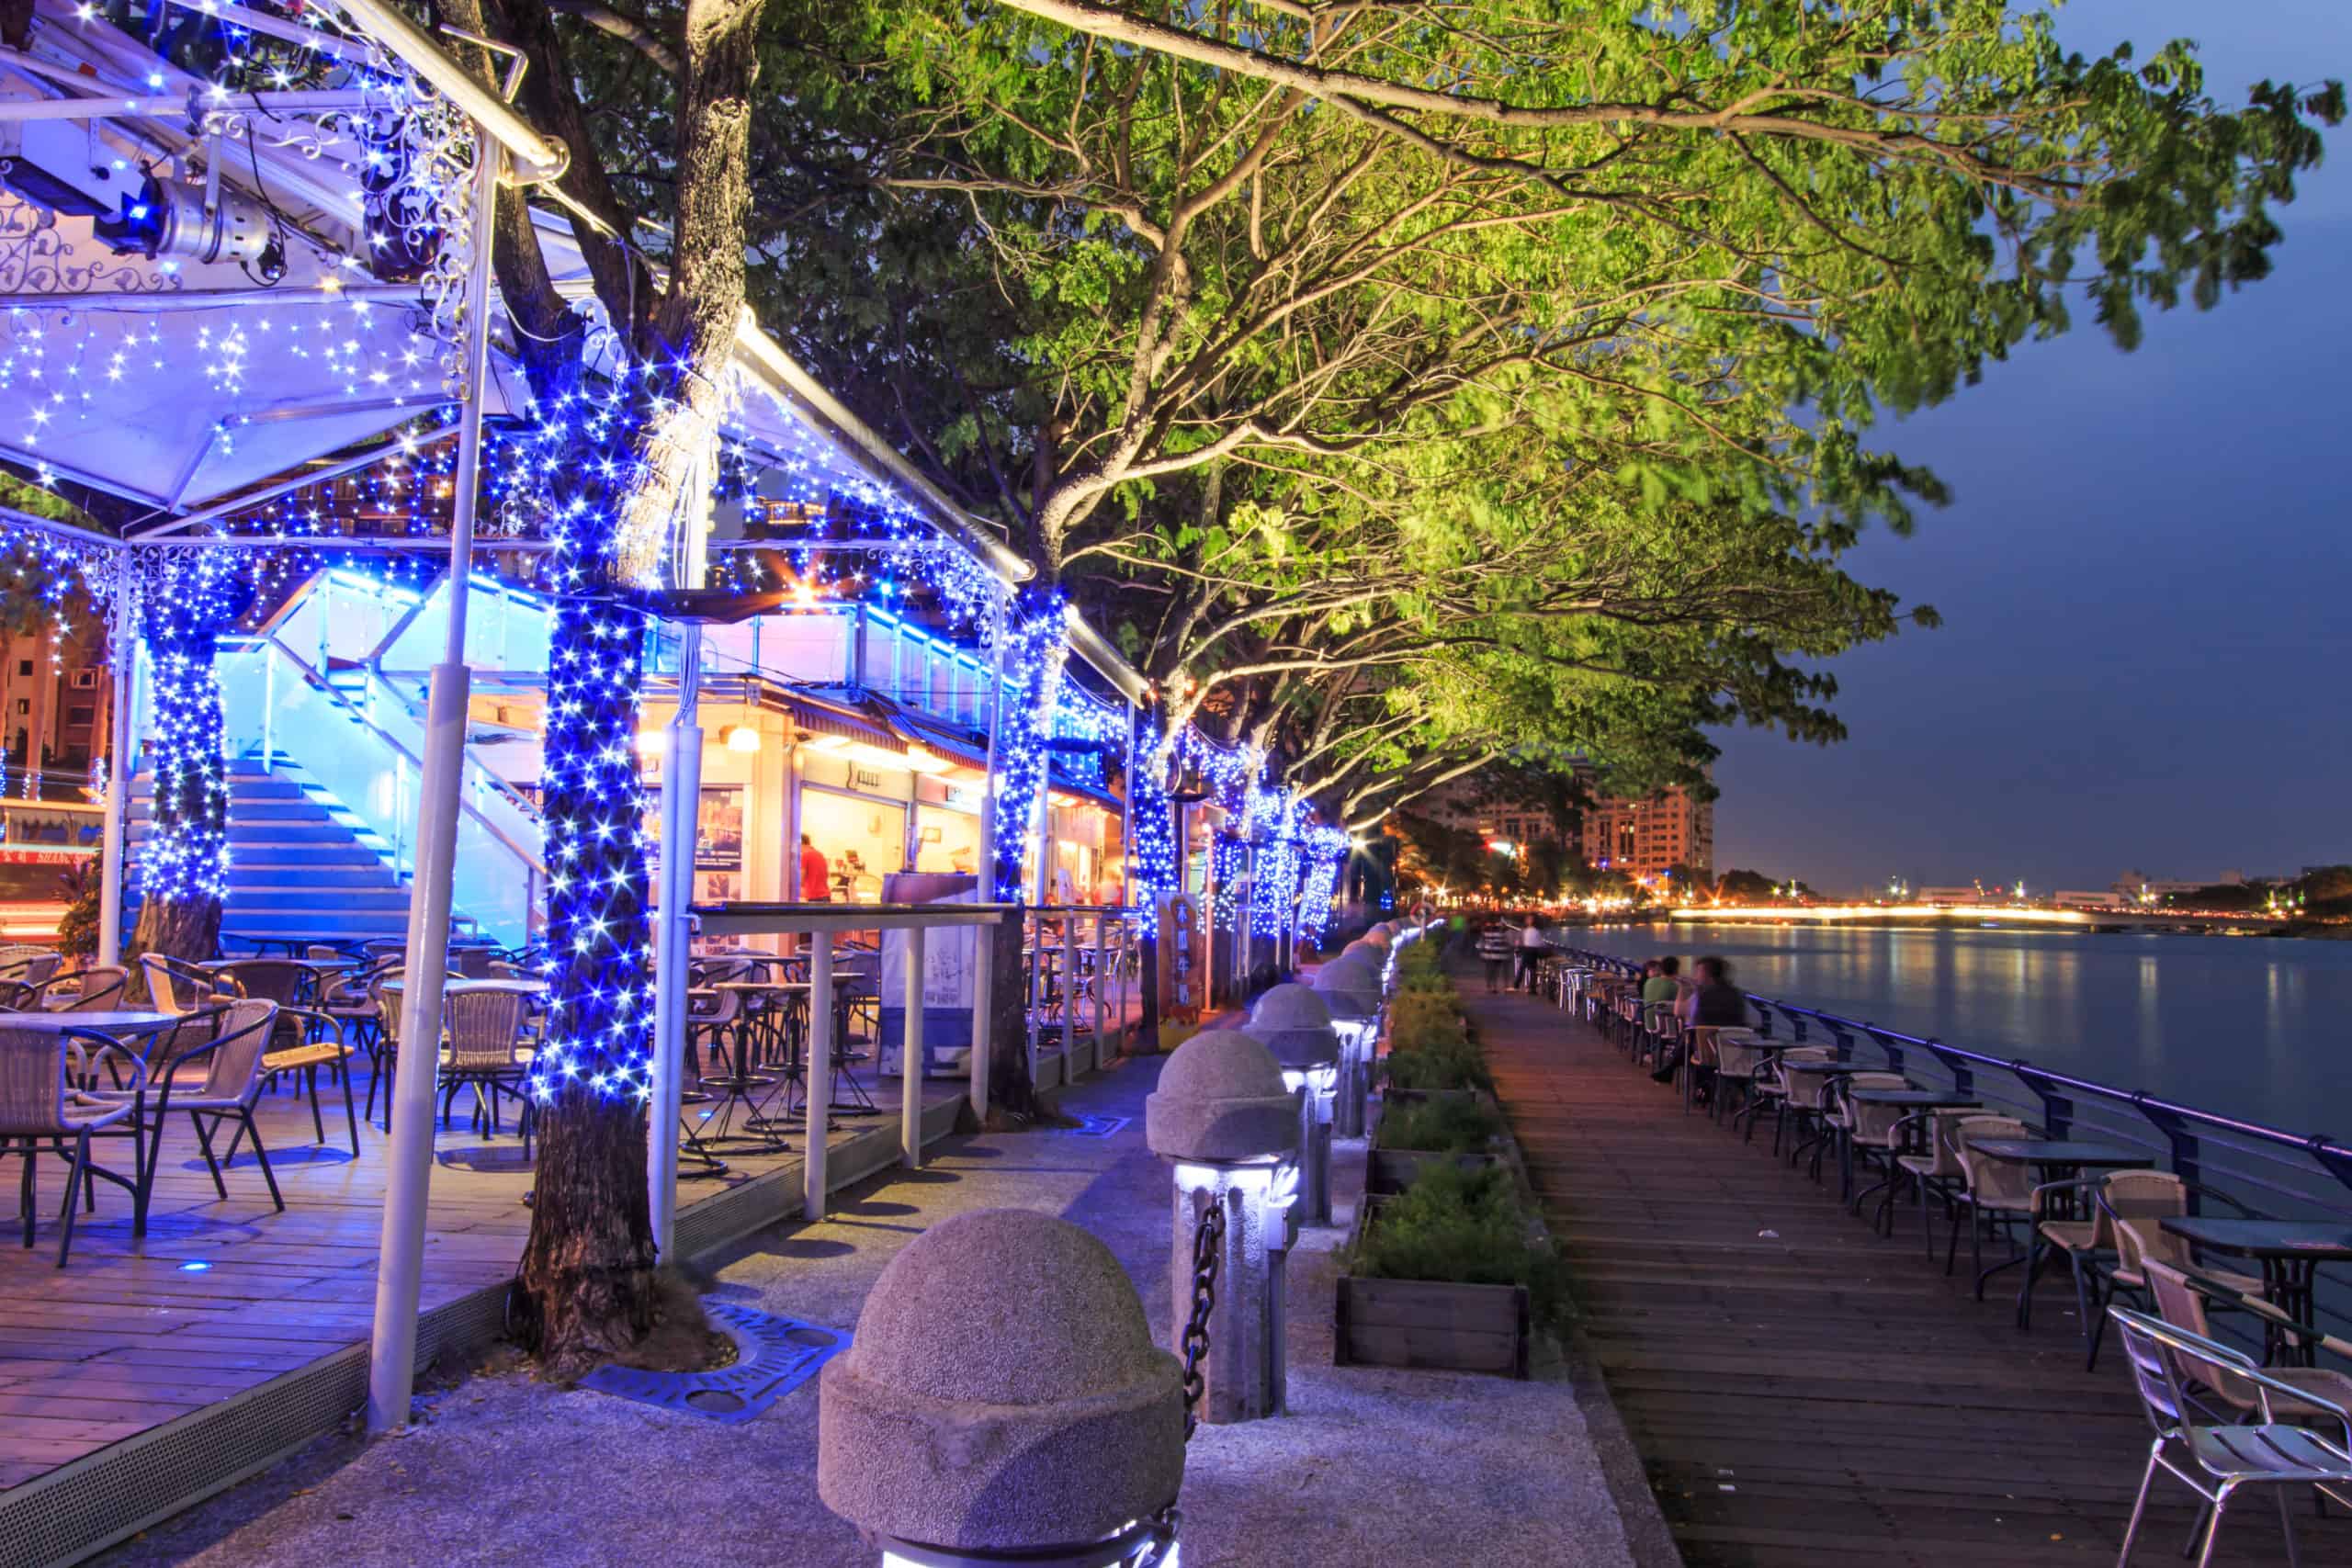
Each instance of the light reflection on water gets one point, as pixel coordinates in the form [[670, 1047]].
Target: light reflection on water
[[2248, 1027]]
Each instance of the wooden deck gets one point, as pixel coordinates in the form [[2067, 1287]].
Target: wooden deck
[[224, 1296], [1803, 1391]]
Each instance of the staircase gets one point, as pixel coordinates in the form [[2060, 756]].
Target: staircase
[[297, 867]]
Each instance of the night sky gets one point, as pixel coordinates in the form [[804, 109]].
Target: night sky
[[2145, 576]]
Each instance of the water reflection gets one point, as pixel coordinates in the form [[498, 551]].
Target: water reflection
[[2248, 1027]]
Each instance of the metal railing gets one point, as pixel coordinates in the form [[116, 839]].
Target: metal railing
[[2298, 1175], [1077, 959]]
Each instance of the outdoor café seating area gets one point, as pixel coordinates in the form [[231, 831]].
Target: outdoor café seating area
[[2215, 1286]]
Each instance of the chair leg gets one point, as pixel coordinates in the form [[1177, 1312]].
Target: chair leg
[[204, 1140], [262, 1154], [350, 1117], [77, 1175], [2286, 1527], [318, 1123], [2212, 1533], [2086, 1307], [28, 1186], [2140, 1504], [2033, 1257], [1951, 1247]]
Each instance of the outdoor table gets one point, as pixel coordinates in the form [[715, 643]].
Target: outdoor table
[[2060, 1159], [2291, 1252], [765, 1027], [1896, 1099], [458, 983]]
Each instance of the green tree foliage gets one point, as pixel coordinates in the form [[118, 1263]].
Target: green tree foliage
[[1429, 380]]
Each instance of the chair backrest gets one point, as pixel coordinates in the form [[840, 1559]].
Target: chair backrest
[[234, 1070], [483, 1028], [319, 952], [1869, 1124], [1738, 1053], [1803, 1089], [163, 986], [101, 989], [271, 980], [474, 962], [388, 1011], [2134, 1202], [32, 1083], [1994, 1183], [22, 961], [2179, 1305], [2154, 1371]]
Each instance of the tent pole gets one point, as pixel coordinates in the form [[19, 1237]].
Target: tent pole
[[123, 654], [391, 1368], [681, 827]]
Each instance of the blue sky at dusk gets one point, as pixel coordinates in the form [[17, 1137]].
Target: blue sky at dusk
[[2145, 576]]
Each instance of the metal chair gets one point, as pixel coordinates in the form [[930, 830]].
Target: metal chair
[[1858, 1132], [97, 989], [481, 1048], [30, 965], [1995, 1194], [42, 1106], [2215, 1461], [2134, 1204], [1775, 1089], [232, 1060]]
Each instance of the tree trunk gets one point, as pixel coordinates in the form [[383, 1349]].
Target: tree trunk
[[1011, 1089], [587, 1284], [586, 1287], [176, 928]]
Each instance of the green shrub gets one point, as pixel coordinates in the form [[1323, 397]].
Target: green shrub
[[1440, 1064], [1417, 1019], [1454, 1124], [1464, 1226]]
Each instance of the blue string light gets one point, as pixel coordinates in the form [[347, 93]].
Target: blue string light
[[192, 596], [1037, 643], [1326, 849]]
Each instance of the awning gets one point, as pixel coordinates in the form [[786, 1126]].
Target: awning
[[964, 745], [814, 715]]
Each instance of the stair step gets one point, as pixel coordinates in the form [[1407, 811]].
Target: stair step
[[369, 901], [353, 877]]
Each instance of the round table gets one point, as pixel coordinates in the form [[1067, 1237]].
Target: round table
[[459, 982]]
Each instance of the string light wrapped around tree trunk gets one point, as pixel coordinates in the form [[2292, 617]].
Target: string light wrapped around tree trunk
[[189, 599], [1326, 849], [587, 1273], [1037, 634], [1153, 872]]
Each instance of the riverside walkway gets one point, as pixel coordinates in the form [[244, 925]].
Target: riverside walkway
[[1801, 1390]]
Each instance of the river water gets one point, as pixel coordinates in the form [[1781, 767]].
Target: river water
[[2252, 1027]]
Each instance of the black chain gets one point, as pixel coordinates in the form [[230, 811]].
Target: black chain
[[1208, 1246]]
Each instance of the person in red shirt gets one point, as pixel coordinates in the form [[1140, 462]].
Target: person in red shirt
[[816, 877]]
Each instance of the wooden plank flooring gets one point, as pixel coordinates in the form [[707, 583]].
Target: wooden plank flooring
[[1803, 1391], [226, 1295]]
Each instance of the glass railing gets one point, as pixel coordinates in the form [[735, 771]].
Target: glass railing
[[369, 759]]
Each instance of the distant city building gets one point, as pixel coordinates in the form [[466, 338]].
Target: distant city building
[[1641, 838]]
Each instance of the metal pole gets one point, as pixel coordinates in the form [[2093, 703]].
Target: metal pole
[[821, 1070], [910, 1056], [125, 652], [681, 824], [1101, 987], [391, 1368], [983, 1024]]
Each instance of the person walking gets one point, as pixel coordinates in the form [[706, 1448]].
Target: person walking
[[1494, 951], [1532, 947]]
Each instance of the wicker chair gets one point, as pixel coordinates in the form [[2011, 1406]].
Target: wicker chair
[[387, 1043], [481, 1048], [1997, 1194], [1862, 1133], [1739, 1057], [30, 965], [231, 1063], [40, 1108], [2180, 1304], [1936, 1174], [2170, 1365], [97, 989], [2133, 1205], [1792, 1097]]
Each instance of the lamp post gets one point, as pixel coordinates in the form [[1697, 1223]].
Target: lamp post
[[948, 1444], [1223, 1117]]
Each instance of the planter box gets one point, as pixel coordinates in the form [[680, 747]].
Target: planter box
[[1430, 1322], [1390, 1171]]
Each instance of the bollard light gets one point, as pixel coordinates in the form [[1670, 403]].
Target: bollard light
[[1291, 1021], [1353, 1001], [1222, 1116], [1002, 1401]]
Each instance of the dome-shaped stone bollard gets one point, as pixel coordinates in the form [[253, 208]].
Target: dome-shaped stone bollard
[[1356, 977], [1291, 1021], [1003, 1401], [1222, 1115], [1379, 936]]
